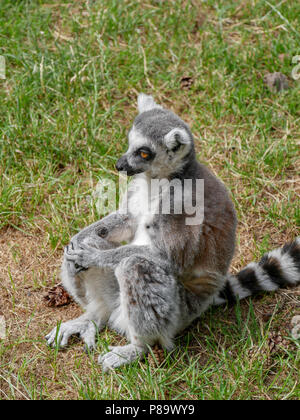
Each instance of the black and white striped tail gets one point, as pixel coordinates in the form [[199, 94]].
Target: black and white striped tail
[[277, 269]]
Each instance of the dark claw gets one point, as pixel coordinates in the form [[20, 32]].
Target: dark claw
[[103, 232], [79, 268]]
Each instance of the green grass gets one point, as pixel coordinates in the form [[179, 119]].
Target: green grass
[[72, 77]]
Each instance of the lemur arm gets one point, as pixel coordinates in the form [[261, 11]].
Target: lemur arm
[[86, 256]]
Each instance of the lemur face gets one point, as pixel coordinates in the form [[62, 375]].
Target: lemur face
[[160, 143]]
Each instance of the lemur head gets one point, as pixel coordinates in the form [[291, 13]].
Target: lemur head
[[160, 143]]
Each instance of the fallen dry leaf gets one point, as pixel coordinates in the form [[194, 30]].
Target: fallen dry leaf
[[186, 82], [158, 356], [57, 296]]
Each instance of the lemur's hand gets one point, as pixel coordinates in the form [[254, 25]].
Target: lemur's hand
[[74, 269], [83, 256]]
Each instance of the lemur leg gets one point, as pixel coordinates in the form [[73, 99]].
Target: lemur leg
[[149, 309], [95, 289]]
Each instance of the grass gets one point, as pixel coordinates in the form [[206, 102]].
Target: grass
[[73, 70]]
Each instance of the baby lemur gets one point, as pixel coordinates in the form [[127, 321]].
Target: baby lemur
[[170, 270]]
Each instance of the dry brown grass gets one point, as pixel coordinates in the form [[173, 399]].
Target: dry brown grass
[[28, 268]]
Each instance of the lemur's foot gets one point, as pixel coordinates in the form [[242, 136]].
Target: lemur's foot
[[120, 355], [60, 335]]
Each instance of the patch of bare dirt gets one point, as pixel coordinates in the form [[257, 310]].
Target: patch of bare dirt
[[27, 268]]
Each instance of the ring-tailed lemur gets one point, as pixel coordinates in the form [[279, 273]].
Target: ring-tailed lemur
[[169, 272]]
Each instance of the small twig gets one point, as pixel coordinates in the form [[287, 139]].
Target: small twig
[[146, 69], [282, 17]]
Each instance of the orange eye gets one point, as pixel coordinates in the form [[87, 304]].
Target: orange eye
[[144, 155]]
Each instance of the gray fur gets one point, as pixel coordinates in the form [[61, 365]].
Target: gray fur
[[168, 273], [157, 123]]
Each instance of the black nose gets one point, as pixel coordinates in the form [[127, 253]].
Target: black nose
[[119, 166], [122, 164]]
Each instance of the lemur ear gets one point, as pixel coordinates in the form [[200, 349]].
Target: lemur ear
[[146, 103], [177, 137]]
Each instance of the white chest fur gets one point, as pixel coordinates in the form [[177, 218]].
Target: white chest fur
[[143, 206]]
